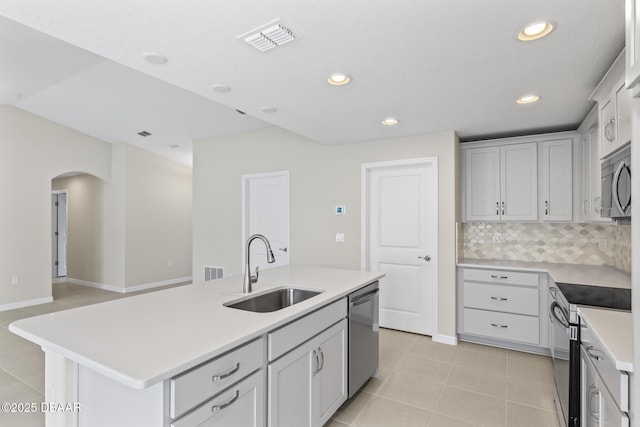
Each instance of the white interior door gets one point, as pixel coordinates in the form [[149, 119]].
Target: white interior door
[[266, 212], [401, 232]]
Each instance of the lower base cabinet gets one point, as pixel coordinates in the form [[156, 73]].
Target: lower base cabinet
[[308, 384], [241, 405]]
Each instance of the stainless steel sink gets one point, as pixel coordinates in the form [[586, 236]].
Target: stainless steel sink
[[273, 300]]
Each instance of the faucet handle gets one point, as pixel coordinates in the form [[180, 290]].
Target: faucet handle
[[254, 279]]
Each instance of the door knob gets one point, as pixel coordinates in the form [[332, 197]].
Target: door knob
[[283, 249], [426, 258]]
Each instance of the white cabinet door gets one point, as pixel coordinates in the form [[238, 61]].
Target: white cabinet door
[[632, 43], [557, 181], [589, 394], [615, 119], [519, 182], [308, 384], [483, 184], [290, 398], [502, 183], [330, 380]]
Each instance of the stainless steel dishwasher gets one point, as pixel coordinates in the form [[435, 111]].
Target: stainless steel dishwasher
[[363, 336]]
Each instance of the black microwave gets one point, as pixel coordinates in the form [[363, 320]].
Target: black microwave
[[616, 185]]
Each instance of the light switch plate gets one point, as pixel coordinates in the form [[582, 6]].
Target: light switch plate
[[340, 237]]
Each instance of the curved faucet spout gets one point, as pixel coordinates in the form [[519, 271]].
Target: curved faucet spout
[[250, 279]]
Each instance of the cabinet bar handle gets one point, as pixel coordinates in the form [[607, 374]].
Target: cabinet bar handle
[[495, 276], [218, 408], [502, 208], [316, 356], [226, 374], [499, 299], [497, 208], [546, 207], [496, 325], [589, 352], [322, 357]]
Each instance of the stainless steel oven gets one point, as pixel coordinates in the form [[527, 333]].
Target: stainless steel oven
[[564, 333]]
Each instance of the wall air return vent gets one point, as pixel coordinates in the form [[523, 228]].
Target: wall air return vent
[[268, 36], [212, 273]]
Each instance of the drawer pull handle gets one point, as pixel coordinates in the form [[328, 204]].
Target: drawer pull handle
[[495, 276], [499, 299], [218, 408], [226, 374], [590, 353], [496, 325]]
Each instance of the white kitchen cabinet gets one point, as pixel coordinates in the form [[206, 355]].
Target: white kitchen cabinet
[[632, 75], [614, 108], [501, 183], [591, 177], [502, 307], [308, 384], [557, 180], [598, 407], [240, 405]]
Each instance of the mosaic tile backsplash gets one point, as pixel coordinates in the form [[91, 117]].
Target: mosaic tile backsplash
[[597, 244]]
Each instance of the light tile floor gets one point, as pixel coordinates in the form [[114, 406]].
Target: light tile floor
[[422, 383], [22, 362]]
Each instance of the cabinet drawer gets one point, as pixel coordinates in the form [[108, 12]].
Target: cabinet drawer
[[512, 299], [501, 276], [240, 405], [617, 382], [504, 326], [199, 384], [295, 333]]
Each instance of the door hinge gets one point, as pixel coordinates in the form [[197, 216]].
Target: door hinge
[[57, 263]]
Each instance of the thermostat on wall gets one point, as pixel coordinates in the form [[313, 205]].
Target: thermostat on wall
[[340, 209]]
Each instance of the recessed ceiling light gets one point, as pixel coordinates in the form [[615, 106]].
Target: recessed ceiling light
[[390, 121], [269, 109], [155, 58], [535, 31], [220, 88], [339, 79], [527, 99]]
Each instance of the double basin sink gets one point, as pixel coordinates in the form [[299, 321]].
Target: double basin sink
[[273, 300]]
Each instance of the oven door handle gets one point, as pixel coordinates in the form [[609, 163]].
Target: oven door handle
[[564, 321]]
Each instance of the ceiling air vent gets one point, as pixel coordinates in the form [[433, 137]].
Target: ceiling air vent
[[144, 133], [268, 36]]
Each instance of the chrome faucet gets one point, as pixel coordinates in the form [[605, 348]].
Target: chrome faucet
[[249, 279]]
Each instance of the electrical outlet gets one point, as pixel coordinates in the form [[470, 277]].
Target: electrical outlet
[[340, 237], [602, 243], [496, 239], [15, 280]]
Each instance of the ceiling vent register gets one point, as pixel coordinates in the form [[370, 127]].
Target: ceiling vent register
[[268, 38]]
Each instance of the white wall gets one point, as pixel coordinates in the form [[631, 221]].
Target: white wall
[[32, 152], [158, 219], [321, 177]]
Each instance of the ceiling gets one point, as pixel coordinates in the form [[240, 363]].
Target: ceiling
[[434, 65]]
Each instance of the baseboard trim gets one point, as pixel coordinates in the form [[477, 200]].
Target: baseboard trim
[[128, 289], [27, 303], [445, 339]]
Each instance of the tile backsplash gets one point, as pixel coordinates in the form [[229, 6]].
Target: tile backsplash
[[598, 244]]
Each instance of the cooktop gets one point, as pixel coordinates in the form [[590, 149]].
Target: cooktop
[[597, 296]]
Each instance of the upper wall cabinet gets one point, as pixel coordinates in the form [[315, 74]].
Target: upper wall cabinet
[[632, 75], [557, 180], [501, 183], [614, 106]]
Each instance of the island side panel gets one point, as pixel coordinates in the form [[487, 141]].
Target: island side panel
[[61, 391]]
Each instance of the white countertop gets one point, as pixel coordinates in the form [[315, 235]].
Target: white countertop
[[144, 339], [594, 275], [614, 330]]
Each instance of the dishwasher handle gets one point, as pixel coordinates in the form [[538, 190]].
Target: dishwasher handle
[[364, 298]]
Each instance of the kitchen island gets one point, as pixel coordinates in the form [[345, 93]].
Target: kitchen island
[[123, 361]]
